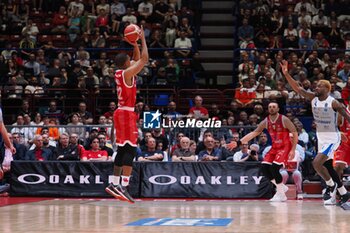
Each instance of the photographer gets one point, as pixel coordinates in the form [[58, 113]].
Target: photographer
[[246, 154]]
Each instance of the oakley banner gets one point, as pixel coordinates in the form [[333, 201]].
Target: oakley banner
[[65, 179], [204, 180]]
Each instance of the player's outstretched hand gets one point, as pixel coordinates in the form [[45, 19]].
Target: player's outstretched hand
[[232, 145], [142, 34], [284, 66]]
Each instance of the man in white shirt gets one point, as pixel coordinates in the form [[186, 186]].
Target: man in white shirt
[[183, 43], [75, 5], [145, 10]]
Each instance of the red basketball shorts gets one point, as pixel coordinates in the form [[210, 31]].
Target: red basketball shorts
[[277, 155], [342, 154], [125, 126]]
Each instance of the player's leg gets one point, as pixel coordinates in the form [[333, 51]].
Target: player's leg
[[284, 175], [118, 163], [298, 181], [342, 159]]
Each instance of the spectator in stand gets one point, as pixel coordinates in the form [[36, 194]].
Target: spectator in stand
[[145, 10], [53, 112], [129, 17], [263, 143], [103, 6], [34, 88], [209, 153], [95, 153], [117, 12], [76, 6], [321, 42], [74, 142], [334, 35], [74, 121], [86, 117], [245, 34], [304, 4], [151, 154], [92, 82], [65, 151], [246, 154], [159, 137], [21, 149], [245, 95], [177, 145], [104, 146], [198, 111], [183, 42], [345, 72], [306, 42], [320, 22], [112, 108], [39, 153], [32, 65], [31, 30], [60, 21], [290, 36], [74, 25], [160, 10], [334, 93], [171, 15], [7, 52], [25, 132], [102, 22], [183, 153]]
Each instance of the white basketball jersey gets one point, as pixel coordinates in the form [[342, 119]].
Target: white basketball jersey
[[326, 120]]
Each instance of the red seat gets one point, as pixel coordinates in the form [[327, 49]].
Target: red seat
[[60, 40]]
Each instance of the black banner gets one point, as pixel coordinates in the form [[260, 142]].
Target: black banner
[[149, 179], [204, 180], [65, 179]]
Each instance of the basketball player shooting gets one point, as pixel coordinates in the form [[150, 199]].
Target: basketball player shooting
[[325, 110], [125, 118], [282, 149]]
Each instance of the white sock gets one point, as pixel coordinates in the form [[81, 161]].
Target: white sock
[[125, 180], [280, 188], [342, 190], [116, 180], [330, 183], [274, 182]]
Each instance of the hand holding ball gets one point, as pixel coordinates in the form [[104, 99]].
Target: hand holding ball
[[132, 33]]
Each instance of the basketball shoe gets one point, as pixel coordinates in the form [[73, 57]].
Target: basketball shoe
[[329, 197], [123, 193], [344, 198], [279, 197], [111, 190]]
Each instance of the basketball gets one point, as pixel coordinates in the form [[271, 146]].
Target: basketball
[[132, 32]]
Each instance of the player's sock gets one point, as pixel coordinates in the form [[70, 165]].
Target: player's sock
[[116, 180], [274, 182], [125, 180], [330, 182], [342, 190]]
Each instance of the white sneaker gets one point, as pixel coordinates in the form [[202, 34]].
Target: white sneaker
[[300, 196], [279, 197], [329, 197], [285, 188]]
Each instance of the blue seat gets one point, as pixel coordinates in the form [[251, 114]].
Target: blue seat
[[161, 100]]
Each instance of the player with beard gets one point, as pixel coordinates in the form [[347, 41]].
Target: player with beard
[[282, 149]]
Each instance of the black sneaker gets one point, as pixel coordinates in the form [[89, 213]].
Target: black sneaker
[[344, 198], [329, 196], [124, 193], [110, 189]]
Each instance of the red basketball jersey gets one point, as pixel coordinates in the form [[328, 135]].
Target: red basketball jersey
[[345, 128], [126, 93], [279, 134]]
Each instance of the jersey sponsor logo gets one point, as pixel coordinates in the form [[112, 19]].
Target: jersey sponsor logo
[[201, 180]]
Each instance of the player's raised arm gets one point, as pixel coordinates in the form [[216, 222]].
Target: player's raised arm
[[337, 106], [294, 84], [136, 51], [255, 133], [136, 67]]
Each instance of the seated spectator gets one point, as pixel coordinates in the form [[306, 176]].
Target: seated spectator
[[104, 146], [117, 12], [179, 135], [21, 149], [74, 121], [74, 25], [31, 30], [183, 43], [151, 154], [60, 21], [321, 42], [198, 111], [34, 88], [145, 10], [102, 23], [95, 153], [159, 137], [129, 17], [209, 153], [86, 117], [65, 151], [74, 142], [246, 154], [112, 107], [245, 95], [39, 153], [184, 153], [201, 146], [306, 42]]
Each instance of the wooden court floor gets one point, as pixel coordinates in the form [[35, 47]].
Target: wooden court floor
[[109, 215]]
